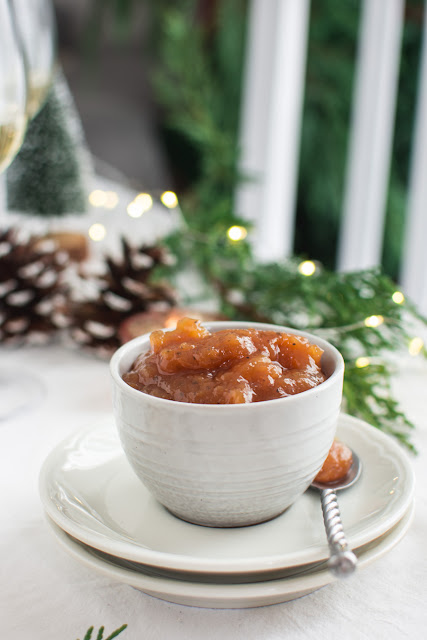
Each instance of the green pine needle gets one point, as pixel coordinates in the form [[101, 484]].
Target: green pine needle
[[116, 632], [100, 635]]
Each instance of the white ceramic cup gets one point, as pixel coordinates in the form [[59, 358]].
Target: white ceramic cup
[[232, 464]]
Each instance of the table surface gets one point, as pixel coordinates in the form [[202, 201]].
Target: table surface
[[45, 593]]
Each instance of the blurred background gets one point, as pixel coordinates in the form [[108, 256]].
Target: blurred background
[[152, 113], [105, 49], [112, 52]]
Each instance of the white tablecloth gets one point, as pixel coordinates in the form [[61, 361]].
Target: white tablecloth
[[47, 594]]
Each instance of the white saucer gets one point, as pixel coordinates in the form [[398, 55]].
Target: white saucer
[[89, 490], [228, 596]]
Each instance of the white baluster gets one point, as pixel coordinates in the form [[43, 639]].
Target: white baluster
[[361, 233], [271, 121], [414, 263]]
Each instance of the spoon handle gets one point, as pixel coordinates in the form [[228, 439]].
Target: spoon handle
[[342, 561]]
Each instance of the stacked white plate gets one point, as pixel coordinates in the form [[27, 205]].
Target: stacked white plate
[[103, 516]]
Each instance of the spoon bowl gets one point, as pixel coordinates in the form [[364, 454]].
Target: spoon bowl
[[351, 477], [342, 561]]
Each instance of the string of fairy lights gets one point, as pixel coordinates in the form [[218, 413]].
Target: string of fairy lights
[[416, 344], [136, 208], [143, 202]]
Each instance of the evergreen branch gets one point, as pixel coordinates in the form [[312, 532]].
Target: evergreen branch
[[366, 394], [332, 305], [100, 634], [204, 109], [116, 632]]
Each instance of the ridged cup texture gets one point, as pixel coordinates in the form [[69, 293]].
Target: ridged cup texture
[[227, 465]]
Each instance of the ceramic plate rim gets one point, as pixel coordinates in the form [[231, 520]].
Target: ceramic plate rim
[[214, 595], [128, 550]]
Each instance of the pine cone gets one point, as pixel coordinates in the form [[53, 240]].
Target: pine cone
[[32, 289], [124, 290]]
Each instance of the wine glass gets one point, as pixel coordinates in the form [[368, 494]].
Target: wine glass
[[35, 20], [13, 88], [18, 390]]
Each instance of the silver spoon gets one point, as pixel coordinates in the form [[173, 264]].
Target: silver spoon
[[342, 561]]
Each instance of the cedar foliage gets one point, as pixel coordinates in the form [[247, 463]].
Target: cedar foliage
[[200, 89]]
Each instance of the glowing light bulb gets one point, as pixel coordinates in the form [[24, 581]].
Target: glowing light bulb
[[144, 200], [133, 210], [362, 362], [142, 203], [374, 321], [169, 199], [307, 268], [237, 233], [107, 199], [415, 346], [97, 198], [111, 199], [398, 297], [97, 232]]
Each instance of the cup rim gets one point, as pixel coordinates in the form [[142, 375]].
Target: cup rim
[[217, 325]]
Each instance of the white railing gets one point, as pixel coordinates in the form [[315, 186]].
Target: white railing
[[414, 267], [270, 134], [272, 110], [371, 135]]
